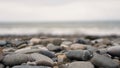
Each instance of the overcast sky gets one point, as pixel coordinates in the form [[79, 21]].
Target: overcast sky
[[59, 10]]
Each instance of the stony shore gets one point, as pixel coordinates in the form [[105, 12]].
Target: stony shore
[[37, 51]]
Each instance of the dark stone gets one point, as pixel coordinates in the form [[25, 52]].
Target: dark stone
[[79, 54], [47, 53], [3, 43], [82, 41], [52, 47], [103, 61]]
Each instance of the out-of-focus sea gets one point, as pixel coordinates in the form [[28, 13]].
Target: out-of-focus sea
[[61, 28]]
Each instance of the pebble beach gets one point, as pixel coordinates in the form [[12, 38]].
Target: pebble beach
[[48, 51]]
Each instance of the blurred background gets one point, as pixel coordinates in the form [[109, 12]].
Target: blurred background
[[60, 17]]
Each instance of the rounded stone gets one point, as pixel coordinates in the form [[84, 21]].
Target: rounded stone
[[79, 54], [103, 61], [114, 51], [42, 60], [16, 59]]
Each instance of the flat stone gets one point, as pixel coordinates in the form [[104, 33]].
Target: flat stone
[[31, 49]]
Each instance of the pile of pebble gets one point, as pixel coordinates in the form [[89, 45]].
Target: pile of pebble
[[60, 53]]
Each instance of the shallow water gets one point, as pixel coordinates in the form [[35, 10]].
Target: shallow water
[[67, 28]]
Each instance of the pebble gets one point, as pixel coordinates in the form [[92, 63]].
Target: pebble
[[79, 54], [114, 51], [55, 41], [59, 52], [17, 42], [35, 40], [31, 49], [103, 61], [82, 41], [78, 46], [47, 53], [42, 59], [10, 49], [91, 48], [3, 43], [81, 64], [52, 47], [16, 59], [22, 46], [102, 51], [66, 45], [61, 58], [1, 54], [1, 66]]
